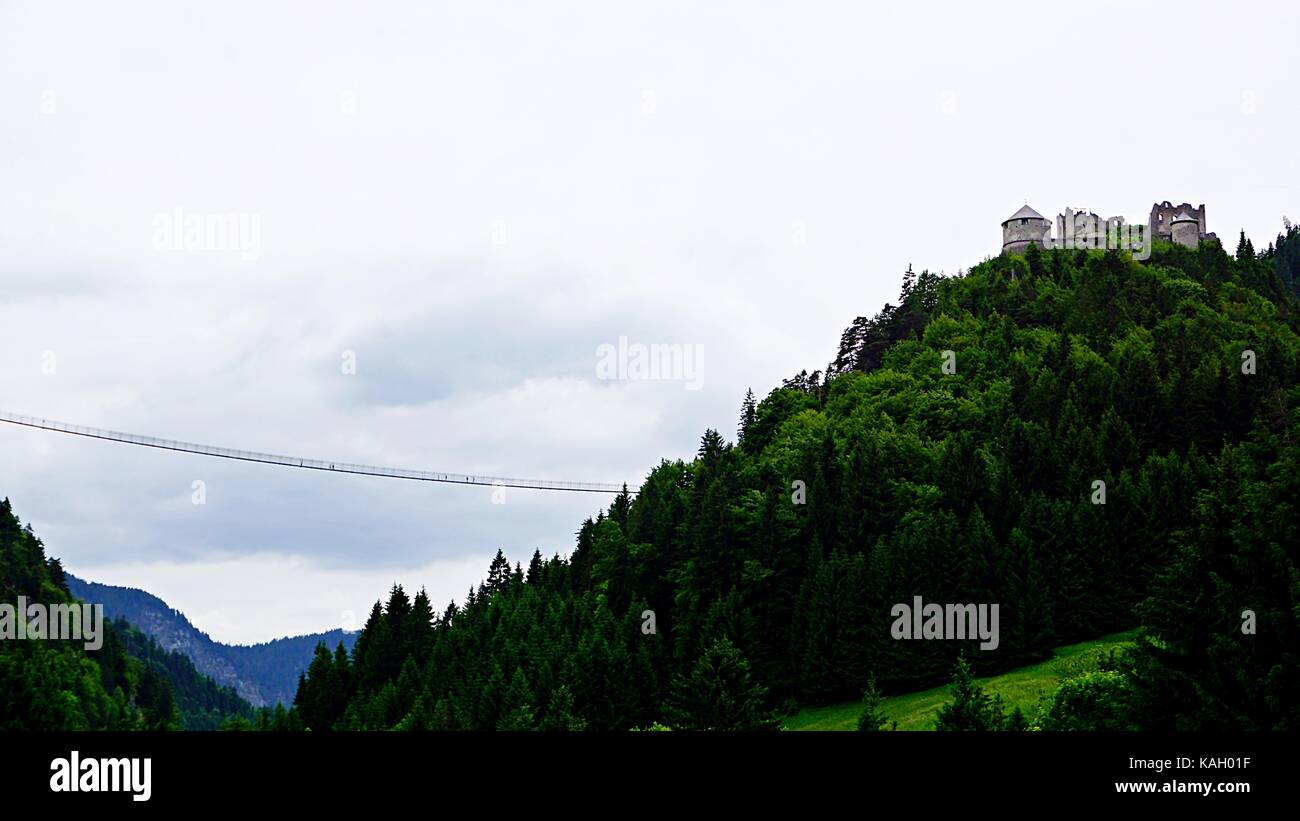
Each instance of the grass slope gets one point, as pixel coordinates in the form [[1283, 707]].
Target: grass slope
[[1023, 687]]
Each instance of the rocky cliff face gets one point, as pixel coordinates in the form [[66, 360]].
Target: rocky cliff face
[[263, 674]]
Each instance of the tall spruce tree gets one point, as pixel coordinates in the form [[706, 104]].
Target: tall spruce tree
[[971, 708], [719, 693]]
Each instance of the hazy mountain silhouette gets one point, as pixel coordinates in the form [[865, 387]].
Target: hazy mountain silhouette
[[262, 674]]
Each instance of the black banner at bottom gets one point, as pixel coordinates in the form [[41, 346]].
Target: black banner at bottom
[[145, 771]]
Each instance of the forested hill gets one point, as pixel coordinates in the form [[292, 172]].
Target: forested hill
[[771, 563], [129, 683], [263, 674], [1091, 442], [1172, 381]]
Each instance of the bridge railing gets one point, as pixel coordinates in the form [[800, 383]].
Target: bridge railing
[[304, 462]]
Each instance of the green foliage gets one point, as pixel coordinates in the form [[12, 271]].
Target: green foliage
[[1285, 257], [1093, 701], [262, 673], [1029, 688], [872, 718], [771, 566], [129, 683], [719, 694], [177, 690], [972, 709]]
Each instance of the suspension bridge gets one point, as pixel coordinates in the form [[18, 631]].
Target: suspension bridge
[[305, 463]]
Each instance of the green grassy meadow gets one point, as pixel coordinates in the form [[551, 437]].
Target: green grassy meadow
[[1023, 687]]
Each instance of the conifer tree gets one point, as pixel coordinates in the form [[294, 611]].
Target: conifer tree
[[498, 573], [719, 694], [561, 712], [748, 410], [1245, 249], [517, 705], [872, 718], [971, 708]]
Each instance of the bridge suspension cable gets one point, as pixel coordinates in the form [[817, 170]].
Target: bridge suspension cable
[[307, 464]]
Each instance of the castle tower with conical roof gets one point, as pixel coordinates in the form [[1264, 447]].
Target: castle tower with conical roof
[[1165, 214], [1186, 230], [1024, 227]]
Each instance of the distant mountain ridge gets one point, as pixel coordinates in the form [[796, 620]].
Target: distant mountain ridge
[[262, 674]]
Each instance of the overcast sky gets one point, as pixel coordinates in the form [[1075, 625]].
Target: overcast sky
[[471, 198]]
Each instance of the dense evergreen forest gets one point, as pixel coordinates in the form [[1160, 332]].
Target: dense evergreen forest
[[955, 449], [1284, 254], [130, 683]]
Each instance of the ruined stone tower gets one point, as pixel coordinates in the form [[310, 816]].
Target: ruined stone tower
[[1172, 223]]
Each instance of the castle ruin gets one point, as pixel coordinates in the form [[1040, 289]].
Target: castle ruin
[[1179, 224]]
